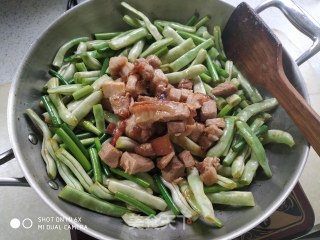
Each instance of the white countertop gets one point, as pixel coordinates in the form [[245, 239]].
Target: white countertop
[[22, 21]]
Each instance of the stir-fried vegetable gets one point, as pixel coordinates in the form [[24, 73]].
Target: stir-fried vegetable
[[155, 117]]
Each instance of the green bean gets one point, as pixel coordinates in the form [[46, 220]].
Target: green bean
[[221, 72], [133, 202], [138, 221], [220, 146], [187, 144], [110, 117], [226, 182], [237, 166], [205, 78], [99, 117], [88, 81], [133, 22], [200, 58], [166, 195], [198, 86], [125, 52], [65, 157], [49, 161], [152, 29], [84, 135], [98, 44], [251, 91], [255, 145], [132, 178], [85, 200], [193, 19], [57, 61], [249, 170], [235, 198], [178, 51], [213, 53], [228, 70], [87, 125], [189, 56], [224, 171], [160, 53], [154, 47], [106, 36], [128, 39], [201, 22], [97, 173], [86, 105], [187, 73], [57, 75], [126, 144], [169, 32], [142, 196], [261, 131], [105, 66], [52, 111], [176, 26], [136, 50], [87, 141], [189, 196], [90, 62], [65, 89], [180, 201], [278, 136], [204, 203], [217, 40], [100, 191], [256, 108], [80, 75], [68, 72], [196, 39], [212, 71], [63, 112], [72, 146], [146, 177], [231, 155], [244, 103], [82, 92], [75, 139]]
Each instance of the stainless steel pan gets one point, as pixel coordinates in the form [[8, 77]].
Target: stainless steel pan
[[105, 15]]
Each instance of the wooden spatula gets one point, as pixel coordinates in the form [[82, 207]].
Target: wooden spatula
[[257, 52]]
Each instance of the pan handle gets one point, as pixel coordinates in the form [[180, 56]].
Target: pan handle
[[301, 20], [19, 182]]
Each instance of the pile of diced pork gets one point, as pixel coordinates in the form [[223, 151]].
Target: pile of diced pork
[[151, 109]]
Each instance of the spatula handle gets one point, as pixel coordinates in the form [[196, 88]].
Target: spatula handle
[[305, 118]]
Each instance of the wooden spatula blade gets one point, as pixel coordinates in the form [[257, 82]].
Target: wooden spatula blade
[[251, 45]]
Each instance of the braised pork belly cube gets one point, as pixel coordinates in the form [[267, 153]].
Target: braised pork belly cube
[[144, 69], [110, 155], [154, 61], [173, 170], [207, 169], [185, 84], [120, 105], [187, 159], [133, 163], [208, 110], [135, 132], [145, 150], [176, 127], [196, 132], [224, 89], [165, 160], [112, 88]]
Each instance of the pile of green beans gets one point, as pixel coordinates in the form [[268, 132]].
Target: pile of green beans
[[75, 123]]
